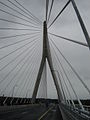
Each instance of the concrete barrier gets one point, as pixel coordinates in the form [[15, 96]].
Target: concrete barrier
[[4, 109]]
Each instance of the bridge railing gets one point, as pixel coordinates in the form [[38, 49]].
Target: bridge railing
[[75, 113], [86, 107]]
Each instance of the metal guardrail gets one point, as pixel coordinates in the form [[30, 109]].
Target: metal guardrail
[[87, 108], [75, 113]]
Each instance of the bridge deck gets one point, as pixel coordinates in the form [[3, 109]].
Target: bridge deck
[[33, 112]]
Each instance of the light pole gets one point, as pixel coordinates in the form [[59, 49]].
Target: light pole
[[14, 89], [8, 97], [13, 93]]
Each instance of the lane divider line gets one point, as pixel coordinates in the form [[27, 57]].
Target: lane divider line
[[45, 113]]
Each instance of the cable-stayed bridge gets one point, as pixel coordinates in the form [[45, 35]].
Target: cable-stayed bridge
[[30, 57]]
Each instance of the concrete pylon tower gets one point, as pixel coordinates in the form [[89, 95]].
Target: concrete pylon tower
[[46, 55]]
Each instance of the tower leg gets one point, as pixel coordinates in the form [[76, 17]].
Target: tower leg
[[38, 80], [46, 54]]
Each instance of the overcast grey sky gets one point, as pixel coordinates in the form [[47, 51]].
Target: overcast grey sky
[[66, 25]]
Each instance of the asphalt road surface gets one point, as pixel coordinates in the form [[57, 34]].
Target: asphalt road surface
[[53, 114], [33, 112]]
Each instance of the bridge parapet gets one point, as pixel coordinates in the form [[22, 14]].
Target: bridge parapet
[[74, 113], [4, 109]]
